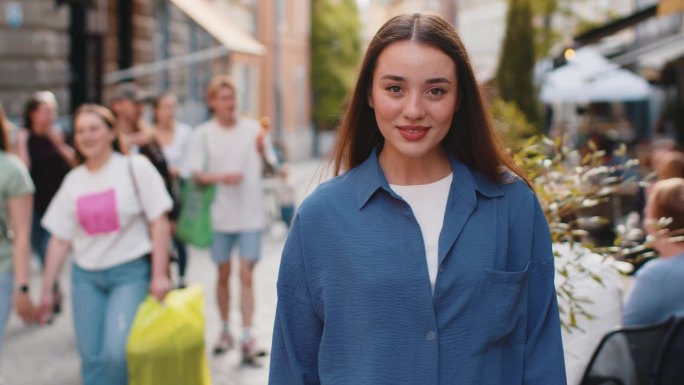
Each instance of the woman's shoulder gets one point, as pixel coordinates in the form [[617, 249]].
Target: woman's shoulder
[[11, 162], [137, 161], [661, 266], [516, 190], [12, 167], [338, 191]]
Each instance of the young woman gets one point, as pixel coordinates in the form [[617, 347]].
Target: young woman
[[173, 136], [428, 261], [111, 210], [659, 284], [45, 152], [16, 200]]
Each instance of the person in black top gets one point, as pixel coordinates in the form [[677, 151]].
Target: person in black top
[[43, 148]]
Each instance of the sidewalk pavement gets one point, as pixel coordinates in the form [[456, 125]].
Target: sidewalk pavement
[[47, 355]]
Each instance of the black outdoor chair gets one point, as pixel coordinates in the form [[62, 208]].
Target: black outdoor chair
[[627, 356], [669, 369]]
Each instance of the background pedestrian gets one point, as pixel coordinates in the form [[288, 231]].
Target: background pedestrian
[[119, 234], [229, 151]]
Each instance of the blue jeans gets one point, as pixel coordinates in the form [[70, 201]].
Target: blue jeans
[[104, 305], [182, 252], [6, 288], [39, 237]]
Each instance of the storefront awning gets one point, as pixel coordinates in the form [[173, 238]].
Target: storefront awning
[[654, 55], [211, 19]]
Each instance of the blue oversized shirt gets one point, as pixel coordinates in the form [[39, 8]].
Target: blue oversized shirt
[[354, 299]]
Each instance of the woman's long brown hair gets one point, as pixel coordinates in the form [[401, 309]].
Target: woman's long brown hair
[[472, 138]]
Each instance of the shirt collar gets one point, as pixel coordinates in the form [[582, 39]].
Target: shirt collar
[[466, 182]]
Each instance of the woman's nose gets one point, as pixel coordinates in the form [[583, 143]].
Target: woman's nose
[[413, 107]]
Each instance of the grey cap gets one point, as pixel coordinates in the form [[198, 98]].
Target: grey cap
[[130, 91]]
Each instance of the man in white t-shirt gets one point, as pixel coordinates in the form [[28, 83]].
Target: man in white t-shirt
[[229, 151]]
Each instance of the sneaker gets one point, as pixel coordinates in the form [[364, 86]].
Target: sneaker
[[224, 344], [250, 353]]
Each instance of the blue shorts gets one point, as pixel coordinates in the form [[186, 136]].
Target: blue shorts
[[249, 243]]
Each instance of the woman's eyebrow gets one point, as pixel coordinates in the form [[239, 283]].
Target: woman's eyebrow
[[398, 78]]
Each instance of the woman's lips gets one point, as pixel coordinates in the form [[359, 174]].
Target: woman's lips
[[413, 133]]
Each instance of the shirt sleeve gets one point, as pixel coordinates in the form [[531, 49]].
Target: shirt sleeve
[[19, 181], [645, 300], [194, 157], [298, 328], [544, 362], [185, 135], [154, 198], [60, 218]]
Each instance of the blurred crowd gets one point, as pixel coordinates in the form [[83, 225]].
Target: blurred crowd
[[108, 194]]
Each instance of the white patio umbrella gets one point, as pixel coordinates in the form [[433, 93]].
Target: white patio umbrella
[[590, 77]]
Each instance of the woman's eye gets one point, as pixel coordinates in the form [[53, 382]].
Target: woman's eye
[[436, 91], [394, 89]]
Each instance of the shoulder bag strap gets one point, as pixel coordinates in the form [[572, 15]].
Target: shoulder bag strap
[[135, 186]]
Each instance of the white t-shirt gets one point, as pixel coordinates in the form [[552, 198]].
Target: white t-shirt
[[176, 151], [428, 203], [236, 208], [101, 214]]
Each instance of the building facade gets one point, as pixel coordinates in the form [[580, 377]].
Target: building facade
[[80, 49], [34, 52]]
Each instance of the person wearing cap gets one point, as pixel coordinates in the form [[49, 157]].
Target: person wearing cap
[[127, 103]]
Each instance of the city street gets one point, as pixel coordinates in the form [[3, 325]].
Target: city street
[[47, 355]]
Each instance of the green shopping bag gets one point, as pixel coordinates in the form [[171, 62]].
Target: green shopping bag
[[166, 342], [194, 222]]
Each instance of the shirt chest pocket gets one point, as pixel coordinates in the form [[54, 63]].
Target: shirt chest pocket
[[499, 310]]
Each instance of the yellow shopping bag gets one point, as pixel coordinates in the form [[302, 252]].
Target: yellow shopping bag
[[166, 343]]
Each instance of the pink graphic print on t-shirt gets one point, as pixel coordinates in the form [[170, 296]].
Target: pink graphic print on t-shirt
[[97, 212]]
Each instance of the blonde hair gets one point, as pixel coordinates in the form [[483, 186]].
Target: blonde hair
[[218, 82]]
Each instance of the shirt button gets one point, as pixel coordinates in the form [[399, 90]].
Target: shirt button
[[430, 336]]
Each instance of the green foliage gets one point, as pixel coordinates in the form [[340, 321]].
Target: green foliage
[[569, 185], [512, 124], [514, 76], [335, 50]]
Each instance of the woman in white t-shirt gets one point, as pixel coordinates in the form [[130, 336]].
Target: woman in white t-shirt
[[173, 136], [119, 235]]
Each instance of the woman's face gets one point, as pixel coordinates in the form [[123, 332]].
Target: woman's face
[[92, 136], [414, 94], [166, 110], [43, 117]]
